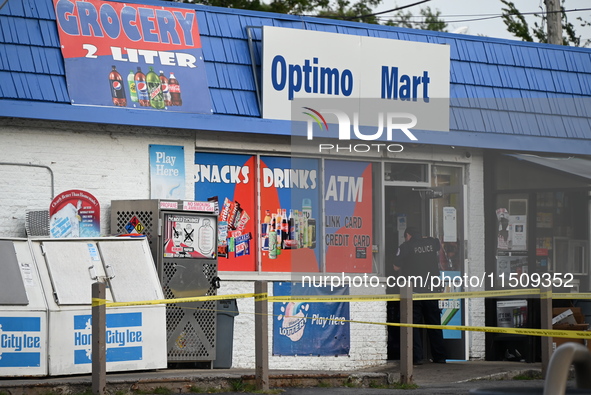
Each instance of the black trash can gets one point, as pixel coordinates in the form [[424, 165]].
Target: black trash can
[[227, 309]]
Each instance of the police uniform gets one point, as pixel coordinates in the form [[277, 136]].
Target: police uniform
[[419, 257]]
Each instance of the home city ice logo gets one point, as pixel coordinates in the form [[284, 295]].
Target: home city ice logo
[[20, 342], [124, 337], [294, 316], [389, 122]]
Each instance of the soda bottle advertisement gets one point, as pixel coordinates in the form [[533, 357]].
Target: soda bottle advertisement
[[117, 88], [348, 216], [230, 181], [289, 214], [133, 56]]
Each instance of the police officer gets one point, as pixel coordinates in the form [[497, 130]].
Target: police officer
[[419, 257]]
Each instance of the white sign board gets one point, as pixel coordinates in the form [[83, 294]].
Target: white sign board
[[450, 233], [407, 76]]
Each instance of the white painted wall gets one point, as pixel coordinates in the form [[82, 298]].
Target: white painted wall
[[110, 162]]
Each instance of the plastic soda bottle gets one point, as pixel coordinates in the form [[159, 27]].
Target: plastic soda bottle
[[175, 90], [165, 89], [142, 88], [154, 89], [131, 85], [117, 88], [273, 239]]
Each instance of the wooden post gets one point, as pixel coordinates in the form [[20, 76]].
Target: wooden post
[[261, 337], [406, 357], [554, 21], [99, 324], [546, 323]]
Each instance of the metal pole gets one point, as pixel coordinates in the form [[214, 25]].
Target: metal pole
[[554, 20], [406, 357], [99, 324], [261, 337], [546, 323]]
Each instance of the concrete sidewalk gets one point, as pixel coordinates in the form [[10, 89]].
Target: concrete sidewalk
[[190, 380]]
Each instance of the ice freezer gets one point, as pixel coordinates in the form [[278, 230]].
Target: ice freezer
[[135, 335], [23, 312]]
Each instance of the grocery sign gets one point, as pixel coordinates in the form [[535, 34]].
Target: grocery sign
[[132, 55]]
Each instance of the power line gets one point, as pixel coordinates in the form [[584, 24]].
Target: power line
[[373, 14], [493, 16], [393, 9]]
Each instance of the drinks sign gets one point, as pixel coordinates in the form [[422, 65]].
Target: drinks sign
[[132, 55]]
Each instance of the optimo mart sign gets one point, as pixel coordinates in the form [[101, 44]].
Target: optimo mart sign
[[407, 76]]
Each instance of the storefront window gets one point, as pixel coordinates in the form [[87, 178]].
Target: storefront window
[[446, 208], [542, 226], [511, 236], [562, 240], [412, 172], [275, 217]]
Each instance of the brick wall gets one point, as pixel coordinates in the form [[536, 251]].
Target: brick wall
[[475, 265], [109, 162]]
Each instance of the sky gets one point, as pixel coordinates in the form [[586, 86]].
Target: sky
[[452, 11]]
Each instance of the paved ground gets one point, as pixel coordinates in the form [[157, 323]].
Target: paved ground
[[450, 378]]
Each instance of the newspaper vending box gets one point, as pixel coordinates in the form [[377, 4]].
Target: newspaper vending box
[[183, 240]]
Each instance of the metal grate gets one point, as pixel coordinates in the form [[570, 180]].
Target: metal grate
[[37, 223], [190, 327]]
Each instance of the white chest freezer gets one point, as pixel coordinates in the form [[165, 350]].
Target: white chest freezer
[[135, 335], [23, 312]]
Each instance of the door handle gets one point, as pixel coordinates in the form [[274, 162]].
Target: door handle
[[110, 271], [92, 271]]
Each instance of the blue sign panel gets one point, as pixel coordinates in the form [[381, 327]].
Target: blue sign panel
[[20, 342], [167, 172], [304, 328], [124, 338]]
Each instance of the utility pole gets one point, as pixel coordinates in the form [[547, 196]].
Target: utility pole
[[554, 20]]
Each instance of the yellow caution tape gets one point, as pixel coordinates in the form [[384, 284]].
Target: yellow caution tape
[[571, 334], [182, 300], [98, 302], [584, 295], [353, 298], [476, 294], [334, 298], [517, 331], [396, 297]]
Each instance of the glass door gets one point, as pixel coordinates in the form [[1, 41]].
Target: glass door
[[446, 203]]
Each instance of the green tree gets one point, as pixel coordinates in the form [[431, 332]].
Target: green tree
[[518, 26], [431, 20], [340, 9], [358, 12]]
